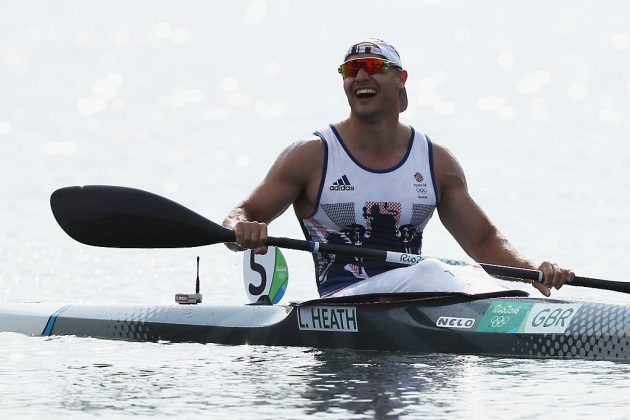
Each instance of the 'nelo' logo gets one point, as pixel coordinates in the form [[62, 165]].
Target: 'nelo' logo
[[342, 184], [454, 322]]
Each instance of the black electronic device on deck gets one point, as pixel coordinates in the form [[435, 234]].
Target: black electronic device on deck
[[190, 298]]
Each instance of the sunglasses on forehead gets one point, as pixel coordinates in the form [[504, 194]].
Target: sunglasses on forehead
[[371, 65]]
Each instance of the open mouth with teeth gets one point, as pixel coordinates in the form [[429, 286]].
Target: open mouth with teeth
[[365, 93]]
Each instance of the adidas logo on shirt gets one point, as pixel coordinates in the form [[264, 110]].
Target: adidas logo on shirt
[[342, 184]]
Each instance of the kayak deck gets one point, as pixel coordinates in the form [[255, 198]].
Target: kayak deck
[[496, 325]]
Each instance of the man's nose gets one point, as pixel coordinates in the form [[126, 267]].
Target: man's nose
[[362, 73]]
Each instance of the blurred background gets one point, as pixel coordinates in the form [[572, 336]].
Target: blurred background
[[193, 100]]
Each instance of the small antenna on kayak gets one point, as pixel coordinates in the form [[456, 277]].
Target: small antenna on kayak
[[197, 282], [190, 298]]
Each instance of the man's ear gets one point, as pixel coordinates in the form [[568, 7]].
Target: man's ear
[[403, 78]]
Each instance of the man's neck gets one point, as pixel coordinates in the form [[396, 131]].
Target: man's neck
[[378, 145]]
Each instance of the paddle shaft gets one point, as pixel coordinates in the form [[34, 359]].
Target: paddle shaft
[[122, 217], [397, 257], [410, 259]]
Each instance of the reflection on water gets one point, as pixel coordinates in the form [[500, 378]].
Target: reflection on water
[[77, 376], [390, 385], [376, 384]]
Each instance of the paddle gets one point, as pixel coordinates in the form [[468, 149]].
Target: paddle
[[121, 217]]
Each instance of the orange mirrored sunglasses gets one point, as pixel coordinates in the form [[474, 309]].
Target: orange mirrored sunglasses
[[371, 65]]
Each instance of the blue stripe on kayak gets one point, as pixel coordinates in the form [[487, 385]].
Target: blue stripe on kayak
[[51, 321]]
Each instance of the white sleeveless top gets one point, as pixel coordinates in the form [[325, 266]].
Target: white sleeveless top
[[380, 209]]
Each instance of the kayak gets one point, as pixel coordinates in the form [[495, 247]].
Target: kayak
[[505, 324], [502, 324]]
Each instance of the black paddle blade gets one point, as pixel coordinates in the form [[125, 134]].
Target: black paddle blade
[[121, 217]]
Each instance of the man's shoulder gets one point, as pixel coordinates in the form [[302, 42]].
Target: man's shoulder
[[439, 148], [441, 152], [304, 147], [313, 141], [444, 161], [303, 155], [301, 161]]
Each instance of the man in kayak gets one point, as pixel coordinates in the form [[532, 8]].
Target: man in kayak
[[372, 181]]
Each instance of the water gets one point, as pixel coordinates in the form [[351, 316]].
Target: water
[[89, 377], [193, 100]]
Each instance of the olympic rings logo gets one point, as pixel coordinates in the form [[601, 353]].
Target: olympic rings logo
[[499, 321]]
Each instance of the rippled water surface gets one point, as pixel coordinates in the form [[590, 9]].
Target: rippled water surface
[[193, 100], [86, 376]]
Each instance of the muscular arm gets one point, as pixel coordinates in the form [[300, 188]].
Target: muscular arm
[[289, 181], [466, 221], [474, 231]]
